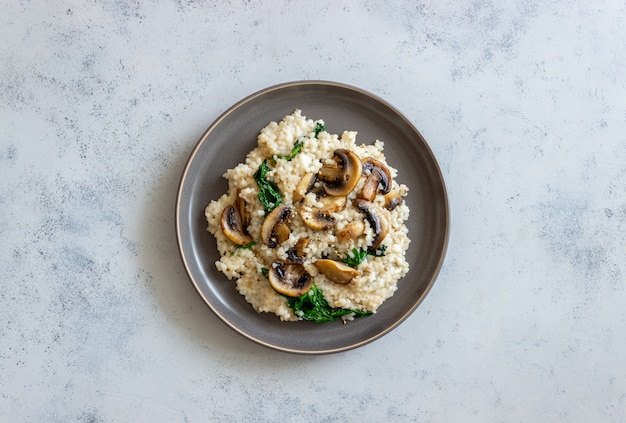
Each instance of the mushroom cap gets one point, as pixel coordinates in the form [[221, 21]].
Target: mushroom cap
[[377, 220], [336, 271], [232, 226], [341, 178], [274, 230], [290, 279]]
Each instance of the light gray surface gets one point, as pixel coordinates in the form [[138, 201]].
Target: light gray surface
[[523, 104]]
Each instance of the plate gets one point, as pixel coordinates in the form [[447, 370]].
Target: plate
[[342, 107]]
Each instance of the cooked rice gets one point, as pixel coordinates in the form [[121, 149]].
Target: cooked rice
[[378, 275]]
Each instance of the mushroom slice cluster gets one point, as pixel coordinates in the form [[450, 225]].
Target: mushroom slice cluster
[[331, 185], [290, 279]]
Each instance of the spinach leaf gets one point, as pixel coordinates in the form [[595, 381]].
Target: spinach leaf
[[379, 252], [269, 195], [319, 128], [265, 271], [312, 306], [357, 256], [297, 146], [295, 150], [243, 247]]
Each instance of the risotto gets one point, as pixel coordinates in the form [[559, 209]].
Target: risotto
[[313, 225]]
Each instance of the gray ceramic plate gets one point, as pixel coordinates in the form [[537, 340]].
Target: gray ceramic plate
[[342, 107]]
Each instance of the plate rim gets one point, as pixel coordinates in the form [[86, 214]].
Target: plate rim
[[223, 116]]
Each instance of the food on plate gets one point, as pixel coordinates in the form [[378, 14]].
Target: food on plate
[[313, 224]]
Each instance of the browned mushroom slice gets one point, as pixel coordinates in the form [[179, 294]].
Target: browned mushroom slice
[[240, 206], [370, 187], [351, 231], [376, 219], [282, 232], [318, 220], [336, 271], [378, 179], [301, 245], [232, 226], [289, 279], [332, 204], [392, 200], [321, 219], [304, 186], [274, 230], [342, 176], [296, 254]]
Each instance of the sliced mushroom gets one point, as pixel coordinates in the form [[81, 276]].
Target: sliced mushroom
[[392, 200], [343, 175], [281, 232], [351, 231], [377, 220], [304, 186], [289, 279], [301, 245], [274, 230], [370, 187], [318, 220], [336, 271], [296, 254], [332, 204], [232, 226], [378, 179], [321, 219], [240, 206]]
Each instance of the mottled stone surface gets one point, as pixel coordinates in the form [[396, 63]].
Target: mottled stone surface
[[523, 103]]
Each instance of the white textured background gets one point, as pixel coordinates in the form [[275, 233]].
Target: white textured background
[[523, 103]]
